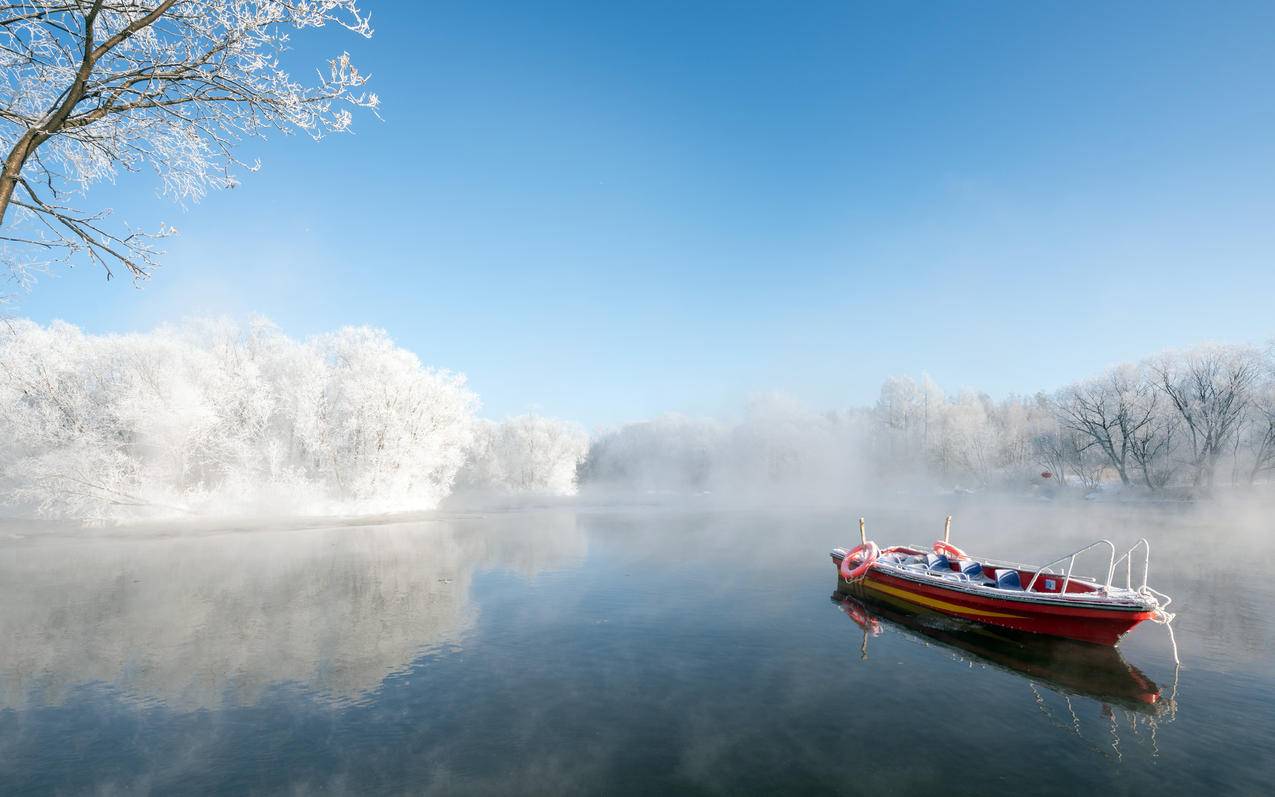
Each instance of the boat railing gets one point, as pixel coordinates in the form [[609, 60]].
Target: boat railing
[[1112, 564], [1158, 601], [1070, 559], [1127, 558]]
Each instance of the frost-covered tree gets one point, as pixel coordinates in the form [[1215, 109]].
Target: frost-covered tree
[[1210, 388], [95, 87], [1123, 416], [969, 436], [525, 454], [1065, 453], [1158, 424], [387, 431], [214, 417], [908, 417], [1259, 433]]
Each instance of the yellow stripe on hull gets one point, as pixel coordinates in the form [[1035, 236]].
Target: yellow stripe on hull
[[935, 603]]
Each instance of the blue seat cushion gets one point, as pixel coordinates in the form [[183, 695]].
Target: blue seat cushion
[[939, 562], [1008, 579], [972, 569]]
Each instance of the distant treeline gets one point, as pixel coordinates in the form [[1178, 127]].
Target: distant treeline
[[1183, 422], [213, 417], [1186, 421]]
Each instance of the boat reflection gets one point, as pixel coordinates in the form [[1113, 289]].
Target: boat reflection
[[1071, 668]]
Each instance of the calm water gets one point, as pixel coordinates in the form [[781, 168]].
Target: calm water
[[647, 651]]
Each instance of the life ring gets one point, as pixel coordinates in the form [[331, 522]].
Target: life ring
[[869, 553], [950, 551]]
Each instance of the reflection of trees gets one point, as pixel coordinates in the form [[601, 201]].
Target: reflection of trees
[[201, 621]]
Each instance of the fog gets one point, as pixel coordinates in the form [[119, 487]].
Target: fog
[[214, 418], [781, 451]]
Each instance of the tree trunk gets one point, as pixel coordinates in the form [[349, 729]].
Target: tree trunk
[[13, 169], [51, 123]]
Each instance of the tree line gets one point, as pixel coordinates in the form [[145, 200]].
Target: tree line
[[214, 417], [1184, 421]]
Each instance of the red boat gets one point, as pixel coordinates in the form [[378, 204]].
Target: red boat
[[1038, 600]]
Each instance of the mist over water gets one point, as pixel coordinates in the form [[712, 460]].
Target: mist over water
[[779, 452], [211, 618], [266, 564], [605, 650]]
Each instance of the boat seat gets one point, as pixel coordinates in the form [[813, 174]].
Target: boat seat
[[938, 562], [970, 568], [1008, 579]]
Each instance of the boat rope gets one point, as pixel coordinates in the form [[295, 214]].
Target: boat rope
[[1161, 616]]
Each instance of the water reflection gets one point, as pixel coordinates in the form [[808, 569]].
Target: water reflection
[[214, 620], [673, 652], [1128, 699], [1065, 666]]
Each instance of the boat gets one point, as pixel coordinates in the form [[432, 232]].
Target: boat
[[1066, 666], [1048, 599]]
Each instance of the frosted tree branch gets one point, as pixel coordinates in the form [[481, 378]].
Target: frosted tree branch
[[93, 89]]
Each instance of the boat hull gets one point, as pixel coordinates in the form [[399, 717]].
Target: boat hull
[[1100, 625]]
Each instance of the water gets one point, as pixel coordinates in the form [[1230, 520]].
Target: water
[[606, 651]]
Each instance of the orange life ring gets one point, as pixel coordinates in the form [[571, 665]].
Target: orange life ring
[[950, 551], [869, 553]]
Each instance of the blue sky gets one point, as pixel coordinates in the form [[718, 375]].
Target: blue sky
[[603, 211]]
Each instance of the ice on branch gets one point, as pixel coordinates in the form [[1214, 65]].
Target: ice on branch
[[216, 418], [528, 454], [93, 89]]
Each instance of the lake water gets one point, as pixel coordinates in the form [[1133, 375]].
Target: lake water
[[642, 651]]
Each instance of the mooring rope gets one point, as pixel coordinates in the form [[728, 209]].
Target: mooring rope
[[1161, 615]]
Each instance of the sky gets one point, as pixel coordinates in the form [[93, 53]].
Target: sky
[[605, 211]]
